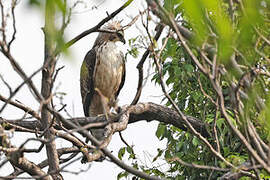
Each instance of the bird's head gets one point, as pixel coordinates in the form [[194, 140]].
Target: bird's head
[[115, 33], [119, 34]]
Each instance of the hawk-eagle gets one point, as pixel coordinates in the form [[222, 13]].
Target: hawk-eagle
[[103, 74]]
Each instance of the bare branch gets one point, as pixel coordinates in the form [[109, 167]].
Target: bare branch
[[95, 28], [6, 84], [21, 106], [159, 29], [139, 112], [44, 163], [237, 132], [217, 154], [19, 87], [107, 152], [192, 165], [13, 5], [46, 88], [159, 12], [16, 158], [22, 74]]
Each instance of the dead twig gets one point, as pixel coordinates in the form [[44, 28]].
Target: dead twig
[[95, 28]]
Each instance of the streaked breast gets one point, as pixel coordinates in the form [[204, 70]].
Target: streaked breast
[[109, 70]]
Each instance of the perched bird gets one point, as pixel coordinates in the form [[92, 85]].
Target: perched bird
[[103, 74]]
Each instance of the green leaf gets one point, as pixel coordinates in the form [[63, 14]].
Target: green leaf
[[195, 12], [34, 2], [168, 155], [226, 150], [161, 130], [195, 141], [129, 149], [132, 156], [122, 175], [220, 122], [171, 5], [134, 52], [188, 68], [196, 96], [121, 153], [131, 152]]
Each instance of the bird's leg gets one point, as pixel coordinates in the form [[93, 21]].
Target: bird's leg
[[103, 102], [116, 109], [113, 103]]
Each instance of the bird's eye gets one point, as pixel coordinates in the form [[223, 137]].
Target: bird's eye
[[113, 37], [120, 35]]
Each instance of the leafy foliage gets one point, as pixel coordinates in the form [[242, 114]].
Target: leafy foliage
[[238, 31]]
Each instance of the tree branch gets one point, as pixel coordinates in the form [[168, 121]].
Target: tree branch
[[139, 112], [16, 158], [44, 163], [46, 87], [106, 151], [95, 28], [21, 106], [159, 29]]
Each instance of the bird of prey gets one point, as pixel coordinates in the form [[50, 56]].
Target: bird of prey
[[103, 74]]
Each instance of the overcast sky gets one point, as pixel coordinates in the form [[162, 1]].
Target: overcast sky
[[28, 51]]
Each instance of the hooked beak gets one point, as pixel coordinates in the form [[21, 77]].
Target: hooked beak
[[122, 39]]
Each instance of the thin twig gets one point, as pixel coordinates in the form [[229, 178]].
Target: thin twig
[[217, 154], [21, 106], [107, 152], [13, 5], [198, 166], [139, 66], [6, 83], [95, 28]]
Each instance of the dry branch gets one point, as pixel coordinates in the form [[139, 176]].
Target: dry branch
[[159, 29], [46, 90], [105, 150], [16, 158], [139, 112], [96, 28]]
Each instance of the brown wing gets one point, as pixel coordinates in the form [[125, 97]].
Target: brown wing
[[87, 80], [122, 58]]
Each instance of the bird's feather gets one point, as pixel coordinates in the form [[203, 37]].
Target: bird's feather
[[122, 57], [103, 73], [87, 80]]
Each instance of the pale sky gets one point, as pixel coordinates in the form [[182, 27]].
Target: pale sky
[[28, 51]]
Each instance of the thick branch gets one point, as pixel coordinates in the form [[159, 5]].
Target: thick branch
[[106, 151], [46, 88], [151, 111], [16, 158], [28, 166], [142, 111], [44, 163]]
